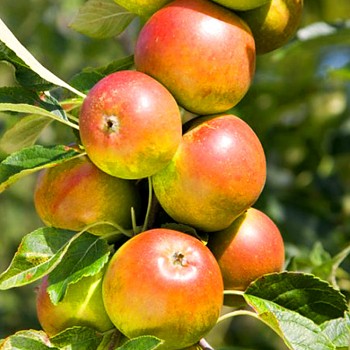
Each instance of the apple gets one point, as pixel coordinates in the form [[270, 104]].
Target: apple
[[218, 171], [164, 283], [242, 5], [81, 306], [130, 125], [249, 248], [142, 8], [202, 52], [274, 23], [75, 194]]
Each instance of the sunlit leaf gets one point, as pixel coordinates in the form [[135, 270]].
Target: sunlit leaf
[[29, 109], [23, 134], [24, 60], [101, 19], [77, 338], [297, 331], [27, 339], [32, 159], [338, 331], [143, 342], [38, 254], [85, 256]]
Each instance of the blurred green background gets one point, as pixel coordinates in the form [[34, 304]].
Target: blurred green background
[[298, 105]]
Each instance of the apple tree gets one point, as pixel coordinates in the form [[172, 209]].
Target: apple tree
[[187, 178]]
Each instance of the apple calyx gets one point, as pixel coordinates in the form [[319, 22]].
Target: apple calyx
[[112, 123], [179, 259]]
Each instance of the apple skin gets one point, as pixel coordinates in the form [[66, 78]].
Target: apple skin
[[202, 52], [142, 8], [163, 283], [218, 171], [81, 306], [274, 23], [130, 125], [249, 248], [75, 194], [241, 5]]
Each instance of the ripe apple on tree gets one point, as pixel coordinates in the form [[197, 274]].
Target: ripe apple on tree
[[218, 171], [130, 125], [202, 52], [82, 306], [76, 194], [249, 248], [274, 23], [164, 283]]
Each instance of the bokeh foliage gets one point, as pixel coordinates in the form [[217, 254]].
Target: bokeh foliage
[[299, 105]]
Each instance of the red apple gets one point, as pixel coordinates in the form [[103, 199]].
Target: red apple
[[251, 247], [130, 125], [218, 172], [75, 194], [202, 52], [164, 283], [82, 306]]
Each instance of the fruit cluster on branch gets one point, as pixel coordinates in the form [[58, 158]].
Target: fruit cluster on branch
[[167, 276]]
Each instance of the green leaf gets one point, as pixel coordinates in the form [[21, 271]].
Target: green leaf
[[320, 263], [27, 339], [88, 77], [29, 109], [146, 342], [25, 76], [77, 338], [23, 134], [86, 256], [18, 94], [334, 264], [32, 159], [38, 254], [302, 293], [338, 331], [29, 72], [101, 19], [297, 331]]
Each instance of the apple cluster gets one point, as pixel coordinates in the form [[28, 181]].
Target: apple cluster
[[192, 58]]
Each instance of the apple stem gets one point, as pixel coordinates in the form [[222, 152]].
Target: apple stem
[[205, 345], [133, 221], [119, 229], [233, 292], [237, 313], [151, 207], [115, 340]]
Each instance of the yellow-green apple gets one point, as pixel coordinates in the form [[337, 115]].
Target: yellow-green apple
[[76, 194], [164, 283], [218, 171], [81, 306], [142, 8], [249, 248], [274, 23], [242, 5], [202, 52], [130, 125]]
